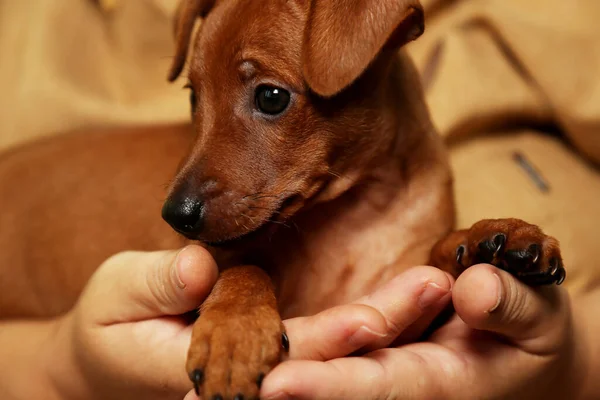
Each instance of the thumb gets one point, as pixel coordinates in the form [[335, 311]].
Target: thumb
[[135, 286], [490, 299]]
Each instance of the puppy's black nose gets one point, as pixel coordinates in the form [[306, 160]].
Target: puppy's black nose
[[184, 215]]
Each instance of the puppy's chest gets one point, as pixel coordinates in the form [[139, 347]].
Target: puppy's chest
[[347, 249], [342, 261]]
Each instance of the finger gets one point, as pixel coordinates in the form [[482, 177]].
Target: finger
[[335, 332], [191, 395], [373, 321], [388, 373], [487, 298], [433, 317], [409, 302], [135, 286]]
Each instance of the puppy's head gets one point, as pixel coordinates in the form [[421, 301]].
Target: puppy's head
[[288, 105]]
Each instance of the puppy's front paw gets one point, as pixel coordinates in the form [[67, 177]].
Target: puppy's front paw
[[232, 350], [515, 246]]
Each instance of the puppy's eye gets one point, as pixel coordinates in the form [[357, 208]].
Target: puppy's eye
[[193, 99], [272, 100]]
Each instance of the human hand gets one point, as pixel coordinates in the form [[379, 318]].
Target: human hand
[[125, 338], [506, 340]]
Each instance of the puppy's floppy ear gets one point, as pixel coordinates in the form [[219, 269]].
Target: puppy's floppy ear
[[186, 15], [343, 37]]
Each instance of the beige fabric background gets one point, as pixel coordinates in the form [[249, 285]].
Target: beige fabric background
[[497, 74]]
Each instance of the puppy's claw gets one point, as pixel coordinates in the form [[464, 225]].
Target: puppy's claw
[[555, 274], [197, 377], [500, 241], [285, 342], [562, 274], [260, 380], [558, 272], [535, 251], [460, 252], [490, 249]]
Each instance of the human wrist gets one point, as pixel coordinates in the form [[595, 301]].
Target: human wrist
[[66, 377], [25, 361]]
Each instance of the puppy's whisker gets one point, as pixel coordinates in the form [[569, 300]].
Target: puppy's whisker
[[260, 195], [249, 217], [266, 196], [338, 175], [296, 226], [262, 208], [279, 223]]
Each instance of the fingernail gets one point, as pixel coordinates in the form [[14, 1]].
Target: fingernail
[[363, 336], [432, 293], [498, 292], [181, 262]]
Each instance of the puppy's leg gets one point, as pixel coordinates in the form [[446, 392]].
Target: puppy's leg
[[511, 244], [238, 337]]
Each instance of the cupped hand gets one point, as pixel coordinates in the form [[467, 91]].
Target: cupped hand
[[126, 337], [506, 341]]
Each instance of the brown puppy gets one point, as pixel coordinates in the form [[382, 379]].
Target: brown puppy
[[311, 156]]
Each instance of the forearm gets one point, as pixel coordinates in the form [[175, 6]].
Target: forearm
[[25, 360]]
